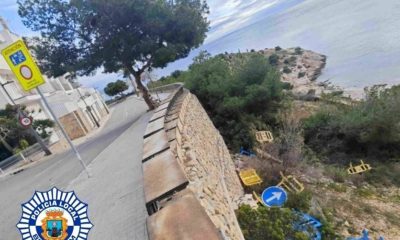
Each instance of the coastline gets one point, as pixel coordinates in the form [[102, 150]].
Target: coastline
[[306, 67]]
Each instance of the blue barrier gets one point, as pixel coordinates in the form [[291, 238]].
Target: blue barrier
[[365, 236], [247, 152], [309, 225]]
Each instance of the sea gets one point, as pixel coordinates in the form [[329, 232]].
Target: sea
[[361, 38]]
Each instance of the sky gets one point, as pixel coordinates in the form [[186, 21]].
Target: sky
[[226, 16]]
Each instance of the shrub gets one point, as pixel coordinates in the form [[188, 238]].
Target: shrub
[[338, 174], [384, 175], [268, 223], [278, 48], [298, 51], [273, 59], [327, 230], [299, 201], [368, 129], [287, 86], [301, 74], [337, 187], [286, 70]]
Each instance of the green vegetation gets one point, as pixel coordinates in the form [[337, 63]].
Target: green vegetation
[[173, 78], [301, 74], [268, 223], [278, 48], [337, 187], [299, 201], [273, 59], [364, 192], [79, 37], [13, 137], [338, 174], [298, 51], [240, 93], [368, 129], [286, 70], [116, 88]]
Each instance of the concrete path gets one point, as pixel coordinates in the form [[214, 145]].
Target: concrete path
[[115, 189], [61, 169]]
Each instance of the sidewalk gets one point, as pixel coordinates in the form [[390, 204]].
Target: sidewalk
[[114, 192]]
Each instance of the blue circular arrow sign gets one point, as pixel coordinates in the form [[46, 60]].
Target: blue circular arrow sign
[[274, 197]]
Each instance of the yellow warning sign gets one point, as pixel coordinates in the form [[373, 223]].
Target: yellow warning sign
[[22, 65]]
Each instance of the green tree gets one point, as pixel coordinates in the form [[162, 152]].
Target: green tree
[[11, 132], [133, 36], [116, 88], [241, 92]]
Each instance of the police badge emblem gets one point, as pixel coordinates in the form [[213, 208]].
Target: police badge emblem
[[54, 215]]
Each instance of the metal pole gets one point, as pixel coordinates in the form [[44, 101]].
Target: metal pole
[[63, 132]]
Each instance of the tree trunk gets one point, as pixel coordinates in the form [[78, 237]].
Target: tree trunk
[[142, 88], [133, 85], [39, 140]]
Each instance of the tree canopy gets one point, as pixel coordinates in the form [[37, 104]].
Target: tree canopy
[[241, 92], [115, 88], [12, 133], [80, 36]]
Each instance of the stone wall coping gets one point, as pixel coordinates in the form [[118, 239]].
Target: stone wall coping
[[182, 218], [163, 175]]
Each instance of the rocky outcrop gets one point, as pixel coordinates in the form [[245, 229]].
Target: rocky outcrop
[[301, 68]]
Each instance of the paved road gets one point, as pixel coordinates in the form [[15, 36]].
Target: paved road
[[61, 169]]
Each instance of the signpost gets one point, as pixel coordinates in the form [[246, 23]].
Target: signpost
[[274, 196], [28, 74], [22, 65], [25, 122]]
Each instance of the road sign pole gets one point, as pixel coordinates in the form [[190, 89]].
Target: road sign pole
[[63, 131]]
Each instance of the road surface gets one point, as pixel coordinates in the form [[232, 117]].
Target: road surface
[[63, 169]]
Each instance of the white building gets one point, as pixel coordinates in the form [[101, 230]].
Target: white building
[[79, 109]]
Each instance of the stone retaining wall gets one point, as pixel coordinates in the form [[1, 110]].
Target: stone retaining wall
[[206, 161], [186, 162]]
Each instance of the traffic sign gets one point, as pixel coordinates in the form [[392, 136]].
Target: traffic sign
[[23, 66], [274, 196], [26, 121]]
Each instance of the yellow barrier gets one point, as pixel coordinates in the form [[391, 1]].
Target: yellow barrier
[[250, 177], [291, 184], [359, 168], [256, 197], [264, 136]]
